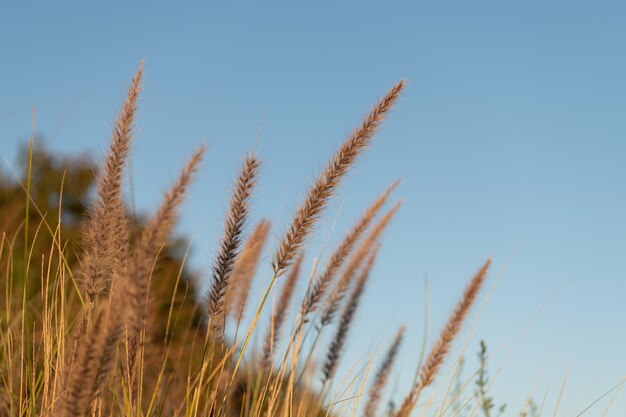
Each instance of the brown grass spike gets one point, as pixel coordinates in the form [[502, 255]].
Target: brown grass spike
[[326, 184], [442, 346], [382, 375], [230, 246], [106, 234], [244, 269], [93, 361], [336, 346], [154, 235], [278, 319], [318, 289], [335, 297]]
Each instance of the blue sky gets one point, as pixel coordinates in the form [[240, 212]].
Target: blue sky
[[510, 140]]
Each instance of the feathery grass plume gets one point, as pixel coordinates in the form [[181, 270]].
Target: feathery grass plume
[[230, 245], [326, 184], [442, 346], [336, 346], [106, 234], [382, 375], [278, 318], [154, 235], [105, 231], [452, 327], [94, 360], [335, 297], [244, 269], [318, 289]]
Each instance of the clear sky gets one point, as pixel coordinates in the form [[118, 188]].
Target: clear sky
[[510, 140]]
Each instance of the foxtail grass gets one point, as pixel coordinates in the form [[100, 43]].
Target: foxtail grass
[[345, 321], [318, 290], [245, 270], [382, 375], [230, 245], [325, 186], [442, 346], [89, 349]]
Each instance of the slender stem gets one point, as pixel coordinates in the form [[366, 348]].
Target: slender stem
[[28, 181], [308, 358], [249, 335]]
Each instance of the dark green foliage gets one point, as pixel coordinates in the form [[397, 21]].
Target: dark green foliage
[[60, 189]]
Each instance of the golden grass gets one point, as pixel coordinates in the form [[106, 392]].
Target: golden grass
[[93, 358]]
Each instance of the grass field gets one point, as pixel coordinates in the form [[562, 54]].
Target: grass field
[[101, 318]]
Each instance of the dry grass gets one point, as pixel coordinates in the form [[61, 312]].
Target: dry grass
[[442, 346], [382, 375], [339, 340], [80, 346], [245, 269], [232, 241], [280, 315], [350, 271], [317, 291], [326, 184]]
